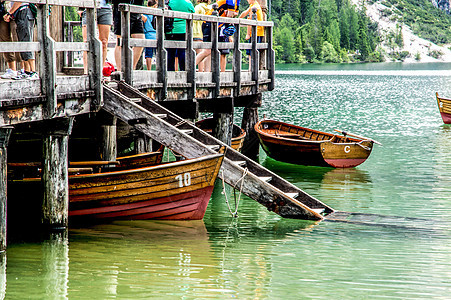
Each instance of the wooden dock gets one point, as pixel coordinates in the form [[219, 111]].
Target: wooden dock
[[154, 104]]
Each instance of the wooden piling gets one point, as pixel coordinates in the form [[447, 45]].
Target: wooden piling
[[223, 127], [108, 141], [5, 133], [55, 201], [250, 118]]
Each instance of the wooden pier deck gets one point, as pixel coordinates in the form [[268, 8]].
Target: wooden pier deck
[[141, 99]]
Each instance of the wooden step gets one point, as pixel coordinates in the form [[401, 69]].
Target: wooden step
[[292, 195], [240, 162], [161, 116], [187, 131], [265, 178], [213, 147], [136, 100]]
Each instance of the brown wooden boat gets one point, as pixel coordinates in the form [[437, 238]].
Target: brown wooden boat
[[444, 106], [238, 134], [299, 145], [174, 191], [177, 190]]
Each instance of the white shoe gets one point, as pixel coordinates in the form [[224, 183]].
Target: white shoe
[[9, 74], [33, 76]]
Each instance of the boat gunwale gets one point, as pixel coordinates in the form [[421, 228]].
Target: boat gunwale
[[354, 141], [149, 168]]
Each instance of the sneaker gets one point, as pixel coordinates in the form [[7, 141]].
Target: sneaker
[[32, 76], [9, 74], [21, 75]]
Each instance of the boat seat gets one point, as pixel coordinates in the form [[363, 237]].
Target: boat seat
[[240, 162], [291, 195], [161, 116], [265, 178]]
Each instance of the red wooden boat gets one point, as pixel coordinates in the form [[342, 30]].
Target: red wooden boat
[[299, 145], [177, 190], [444, 106], [238, 134], [173, 191]]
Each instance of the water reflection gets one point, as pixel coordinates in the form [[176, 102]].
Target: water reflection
[[2, 275]]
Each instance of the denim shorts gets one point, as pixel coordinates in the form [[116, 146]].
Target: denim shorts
[[104, 16], [149, 52]]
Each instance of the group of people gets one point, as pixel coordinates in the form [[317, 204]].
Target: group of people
[[18, 21]]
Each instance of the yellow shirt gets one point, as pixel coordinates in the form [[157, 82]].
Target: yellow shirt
[[201, 9], [260, 30]]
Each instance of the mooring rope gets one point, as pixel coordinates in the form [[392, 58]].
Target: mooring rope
[[237, 203]]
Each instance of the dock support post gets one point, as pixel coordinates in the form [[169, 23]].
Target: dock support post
[[5, 133], [223, 127], [108, 144], [250, 144], [55, 179]]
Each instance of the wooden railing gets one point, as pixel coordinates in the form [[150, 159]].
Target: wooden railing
[[215, 84]]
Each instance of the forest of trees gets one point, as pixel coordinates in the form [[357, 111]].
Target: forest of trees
[[323, 31]]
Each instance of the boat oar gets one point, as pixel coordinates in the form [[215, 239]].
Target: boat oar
[[357, 136]]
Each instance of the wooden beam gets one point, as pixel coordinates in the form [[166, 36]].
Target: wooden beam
[[217, 105], [95, 60], [251, 144], [186, 109], [223, 127], [5, 133], [47, 62], [55, 177], [108, 141]]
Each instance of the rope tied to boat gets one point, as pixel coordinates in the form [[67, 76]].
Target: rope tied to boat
[[364, 147], [237, 203]]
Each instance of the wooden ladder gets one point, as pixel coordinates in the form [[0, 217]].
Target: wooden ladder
[[260, 184]]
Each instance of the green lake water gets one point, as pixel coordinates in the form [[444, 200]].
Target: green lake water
[[259, 255]]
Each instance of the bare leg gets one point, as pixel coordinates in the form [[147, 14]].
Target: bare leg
[[84, 32], [223, 62], [202, 63], [149, 63], [104, 32], [117, 54], [137, 51], [12, 65], [207, 63], [202, 55]]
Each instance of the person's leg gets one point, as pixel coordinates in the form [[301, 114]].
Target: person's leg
[[137, 51], [117, 53], [5, 36], [84, 32], [223, 62], [104, 33], [201, 65], [202, 55]]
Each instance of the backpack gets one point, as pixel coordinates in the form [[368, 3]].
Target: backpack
[[168, 22], [33, 9]]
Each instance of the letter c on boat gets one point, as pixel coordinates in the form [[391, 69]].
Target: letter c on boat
[[347, 149]]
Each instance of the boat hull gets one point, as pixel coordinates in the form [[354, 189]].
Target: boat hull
[[238, 134], [173, 191], [303, 146], [444, 106]]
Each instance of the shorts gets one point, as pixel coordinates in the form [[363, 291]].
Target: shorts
[[104, 16], [24, 28], [136, 23], [206, 31], [149, 52], [259, 40]]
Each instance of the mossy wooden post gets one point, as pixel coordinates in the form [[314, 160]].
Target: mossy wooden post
[[254, 53], [215, 54], [95, 55], [108, 143], [5, 132], [55, 180], [250, 118], [161, 64], [223, 127], [47, 61], [127, 52]]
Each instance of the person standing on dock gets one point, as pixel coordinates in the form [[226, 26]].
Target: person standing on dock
[[104, 23], [226, 8], [8, 34], [136, 31], [201, 8], [24, 17], [150, 34], [178, 33], [253, 6]]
